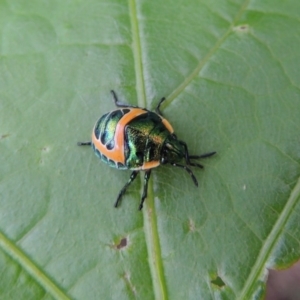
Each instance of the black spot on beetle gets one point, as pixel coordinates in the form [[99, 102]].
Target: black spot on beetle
[[110, 145], [125, 111], [97, 152], [120, 166], [140, 156]]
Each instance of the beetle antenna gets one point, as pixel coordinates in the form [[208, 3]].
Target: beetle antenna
[[202, 155]]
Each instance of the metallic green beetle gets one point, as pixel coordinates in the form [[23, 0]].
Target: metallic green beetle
[[134, 138]]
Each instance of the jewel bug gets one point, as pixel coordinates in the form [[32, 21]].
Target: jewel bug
[[134, 138]]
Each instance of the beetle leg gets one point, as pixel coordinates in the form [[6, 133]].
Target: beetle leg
[[188, 170], [157, 109], [144, 196], [118, 103], [84, 143], [123, 190]]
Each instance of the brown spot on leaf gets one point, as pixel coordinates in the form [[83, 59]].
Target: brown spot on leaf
[[122, 244], [242, 28], [218, 282], [45, 149]]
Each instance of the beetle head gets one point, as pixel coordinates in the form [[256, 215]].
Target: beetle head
[[172, 151]]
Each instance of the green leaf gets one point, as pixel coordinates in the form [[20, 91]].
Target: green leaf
[[230, 73]]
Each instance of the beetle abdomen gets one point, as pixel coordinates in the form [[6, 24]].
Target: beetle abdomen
[[108, 136]]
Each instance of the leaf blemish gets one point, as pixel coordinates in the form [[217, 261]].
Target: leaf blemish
[[218, 282], [46, 149], [3, 136], [191, 225], [242, 28], [122, 244], [127, 279]]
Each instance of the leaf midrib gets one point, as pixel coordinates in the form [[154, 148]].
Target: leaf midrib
[[149, 212]]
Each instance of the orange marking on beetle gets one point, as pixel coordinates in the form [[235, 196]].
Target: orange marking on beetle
[[167, 125], [150, 164], [117, 153]]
